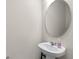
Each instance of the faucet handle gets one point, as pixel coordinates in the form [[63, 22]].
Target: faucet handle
[[52, 43]]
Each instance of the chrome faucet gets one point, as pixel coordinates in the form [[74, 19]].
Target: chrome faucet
[[52, 43]]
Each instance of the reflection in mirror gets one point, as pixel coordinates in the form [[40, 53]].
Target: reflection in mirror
[[57, 19]]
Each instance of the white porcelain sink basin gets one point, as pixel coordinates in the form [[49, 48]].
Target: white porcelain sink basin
[[51, 50]]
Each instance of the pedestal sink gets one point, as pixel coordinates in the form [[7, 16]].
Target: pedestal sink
[[51, 51]]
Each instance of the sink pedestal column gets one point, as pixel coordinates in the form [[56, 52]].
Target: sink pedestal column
[[49, 57]]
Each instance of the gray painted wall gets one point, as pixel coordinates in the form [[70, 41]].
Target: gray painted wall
[[24, 27]]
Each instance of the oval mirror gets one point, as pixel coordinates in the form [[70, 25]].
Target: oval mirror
[[57, 18]]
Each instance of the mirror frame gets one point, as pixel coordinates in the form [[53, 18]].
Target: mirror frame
[[69, 10]]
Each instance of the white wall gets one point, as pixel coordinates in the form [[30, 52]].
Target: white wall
[[67, 38], [24, 25]]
